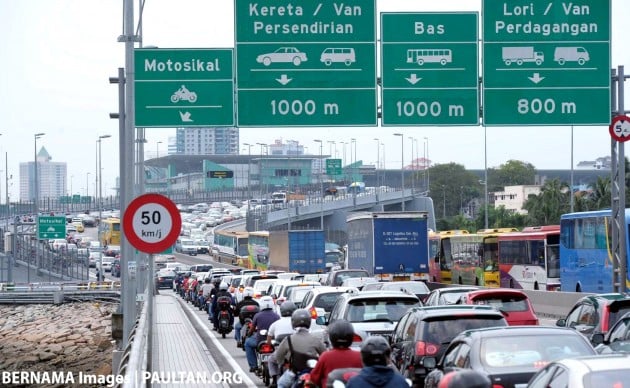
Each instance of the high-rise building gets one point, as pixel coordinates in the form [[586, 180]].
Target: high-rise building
[[52, 177], [206, 141]]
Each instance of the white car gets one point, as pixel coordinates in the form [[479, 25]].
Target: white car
[[283, 55], [107, 263], [319, 301]]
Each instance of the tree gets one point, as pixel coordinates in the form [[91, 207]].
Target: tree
[[547, 207], [511, 173], [447, 183]]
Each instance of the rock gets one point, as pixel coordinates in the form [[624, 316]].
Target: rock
[[45, 356]]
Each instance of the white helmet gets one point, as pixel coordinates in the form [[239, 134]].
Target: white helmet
[[266, 302], [223, 286], [248, 292]]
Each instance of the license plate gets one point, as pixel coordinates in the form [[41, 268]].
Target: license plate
[[264, 357]]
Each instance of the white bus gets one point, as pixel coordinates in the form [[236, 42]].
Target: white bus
[[422, 56]]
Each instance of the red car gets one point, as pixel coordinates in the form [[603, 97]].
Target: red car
[[514, 304]]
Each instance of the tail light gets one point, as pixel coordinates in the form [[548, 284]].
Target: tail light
[[266, 348], [426, 348], [313, 312], [497, 386], [160, 279], [356, 338]]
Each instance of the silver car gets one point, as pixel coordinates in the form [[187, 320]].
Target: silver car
[[612, 370]]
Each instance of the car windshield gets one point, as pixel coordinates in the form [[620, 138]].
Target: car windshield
[[326, 301], [607, 378], [414, 288], [378, 309], [451, 297], [507, 303], [442, 330], [506, 352]]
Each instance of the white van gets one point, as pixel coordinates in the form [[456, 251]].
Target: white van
[[338, 55]]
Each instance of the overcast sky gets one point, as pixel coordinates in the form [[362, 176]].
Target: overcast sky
[[57, 56]]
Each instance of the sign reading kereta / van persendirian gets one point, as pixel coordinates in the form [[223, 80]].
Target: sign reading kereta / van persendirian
[[546, 62], [152, 223], [305, 63], [184, 87]]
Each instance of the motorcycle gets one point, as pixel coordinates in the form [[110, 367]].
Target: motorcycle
[[184, 95], [264, 350], [246, 315], [224, 305]]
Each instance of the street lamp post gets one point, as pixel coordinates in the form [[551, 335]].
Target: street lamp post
[[427, 164], [87, 185], [321, 184], [485, 176], [157, 149], [413, 169], [402, 167], [444, 201], [100, 186], [36, 200], [378, 158]]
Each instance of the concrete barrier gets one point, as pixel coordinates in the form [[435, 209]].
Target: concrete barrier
[[552, 304]]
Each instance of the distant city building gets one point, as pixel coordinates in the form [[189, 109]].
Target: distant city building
[[513, 197], [602, 163], [205, 141], [52, 178], [172, 145], [291, 147]]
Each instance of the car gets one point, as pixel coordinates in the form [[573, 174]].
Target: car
[[617, 340], [417, 288], [319, 301], [251, 280], [164, 278], [115, 268], [510, 355], [594, 314], [106, 263], [283, 55], [337, 276], [514, 304], [370, 312], [112, 250], [201, 268], [427, 331], [262, 287], [360, 283], [584, 372], [447, 295], [94, 258], [282, 288]]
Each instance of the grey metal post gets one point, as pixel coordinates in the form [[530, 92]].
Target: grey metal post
[[485, 176], [402, 169], [28, 267], [321, 185], [378, 157], [571, 190], [620, 269], [127, 172]]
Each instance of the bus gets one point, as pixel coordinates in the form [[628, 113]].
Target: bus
[[258, 250], [530, 259], [474, 257], [422, 56], [435, 274], [586, 257], [443, 263], [231, 247], [109, 231]]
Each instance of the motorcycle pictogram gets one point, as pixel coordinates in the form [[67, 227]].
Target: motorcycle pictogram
[[184, 95]]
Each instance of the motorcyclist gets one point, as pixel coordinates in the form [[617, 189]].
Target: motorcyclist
[[248, 300], [223, 292], [213, 294], [278, 331], [261, 321], [301, 346], [206, 289], [341, 334], [375, 352]]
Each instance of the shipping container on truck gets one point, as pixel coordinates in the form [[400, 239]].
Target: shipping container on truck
[[300, 251], [391, 246]]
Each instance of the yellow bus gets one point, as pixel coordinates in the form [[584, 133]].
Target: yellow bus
[[110, 231]]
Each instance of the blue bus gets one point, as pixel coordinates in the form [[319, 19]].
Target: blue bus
[[586, 257]]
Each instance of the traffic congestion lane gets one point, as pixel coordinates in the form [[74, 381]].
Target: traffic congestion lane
[[223, 350]]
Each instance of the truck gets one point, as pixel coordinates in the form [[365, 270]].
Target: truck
[[300, 251], [391, 246], [280, 197], [521, 55]]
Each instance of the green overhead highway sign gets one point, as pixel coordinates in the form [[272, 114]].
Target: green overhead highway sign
[[184, 87], [305, 63], [546, 62], [51, 227], [333, 167], [430, 68]]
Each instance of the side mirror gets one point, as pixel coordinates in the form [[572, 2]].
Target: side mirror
[[561, 322], [322, 321], [597, 338]]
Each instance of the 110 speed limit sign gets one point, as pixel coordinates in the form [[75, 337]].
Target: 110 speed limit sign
[[152, 223]]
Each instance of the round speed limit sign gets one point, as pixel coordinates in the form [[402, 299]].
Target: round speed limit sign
[[152, 223]]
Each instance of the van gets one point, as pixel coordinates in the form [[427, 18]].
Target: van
[[338, 55], [571, 54]]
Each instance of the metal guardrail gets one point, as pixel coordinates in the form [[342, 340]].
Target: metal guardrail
[[57, 293], [134, 360]]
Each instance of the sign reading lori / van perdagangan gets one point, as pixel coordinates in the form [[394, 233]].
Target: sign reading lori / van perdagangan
[[184, 87], [305, 63], [546, 62]]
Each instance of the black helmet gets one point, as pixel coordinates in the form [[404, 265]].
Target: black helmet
[[301, 318], [465, 378], [217, 281], [375, 351], [206, 280], [341, 334], [287, 308]]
